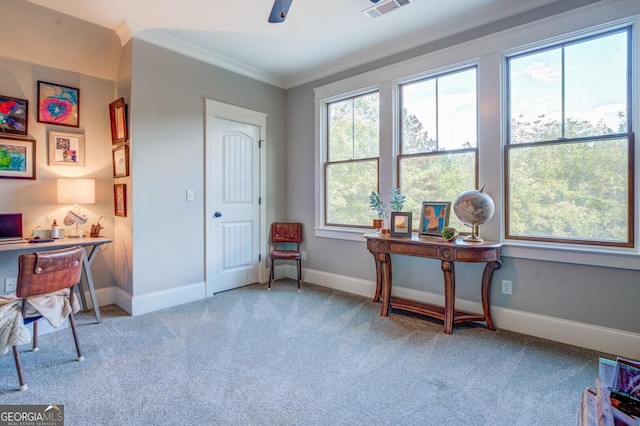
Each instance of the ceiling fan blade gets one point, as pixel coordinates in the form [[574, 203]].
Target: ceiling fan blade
[[279, 11]]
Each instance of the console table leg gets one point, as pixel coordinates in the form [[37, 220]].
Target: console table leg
[[449, 295], [384, 272], [486, 291]]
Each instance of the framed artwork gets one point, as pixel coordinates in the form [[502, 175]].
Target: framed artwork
[[17, 158], [434, 217], [120, 199], [120, 157], [118, 117], [58, 104], [401, 224], [66, 149], [13, 116]]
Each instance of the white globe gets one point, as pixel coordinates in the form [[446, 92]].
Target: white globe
[[474, 207]]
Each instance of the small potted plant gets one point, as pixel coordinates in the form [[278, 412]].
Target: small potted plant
[[397, 200], [449, 233], [377, 205]]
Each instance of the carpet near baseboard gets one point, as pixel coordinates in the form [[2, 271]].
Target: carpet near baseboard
[[282, 357]]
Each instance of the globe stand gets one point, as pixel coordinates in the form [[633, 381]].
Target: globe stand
[[473, 238]]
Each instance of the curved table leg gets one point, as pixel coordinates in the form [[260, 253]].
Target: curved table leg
[[486, 291], [449, 295], [384, 272]]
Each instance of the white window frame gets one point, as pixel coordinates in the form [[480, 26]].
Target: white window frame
[[489, 54]]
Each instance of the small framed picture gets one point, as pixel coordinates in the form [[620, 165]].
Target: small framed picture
[[118, 117], [14, 113], [120, 157], [58, 104], [401, 224], [434, 217], [120, 199], [17, 158], [66, 149]]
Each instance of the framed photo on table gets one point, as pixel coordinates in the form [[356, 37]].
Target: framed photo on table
[[17, 158], [58, 104], [120, 157], [120, 199], [118, 117], [401, 224], [434, 216], [14, 114], [66, 149]]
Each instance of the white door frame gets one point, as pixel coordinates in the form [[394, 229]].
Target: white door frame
[[242, 115]]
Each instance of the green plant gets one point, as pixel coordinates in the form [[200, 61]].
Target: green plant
[[377, 205], [397, 200], [448, 233]]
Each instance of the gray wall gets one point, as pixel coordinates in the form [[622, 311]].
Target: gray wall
[[167, 141], [600, 296]]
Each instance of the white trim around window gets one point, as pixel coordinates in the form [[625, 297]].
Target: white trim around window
[[488, 53]]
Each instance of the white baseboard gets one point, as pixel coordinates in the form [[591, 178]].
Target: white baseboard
[[149, 302], [607, 340]]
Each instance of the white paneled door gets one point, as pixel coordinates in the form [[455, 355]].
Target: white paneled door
[[233, 207]]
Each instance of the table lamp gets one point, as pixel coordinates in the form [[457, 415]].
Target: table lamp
[[76, 191]]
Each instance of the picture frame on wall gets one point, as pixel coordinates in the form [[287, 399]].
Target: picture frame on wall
[[118, 118], [120, 199], [66, 149], [434, 216], [401, 224], [14, 115], [17, 158], [58, 104], [120, 157]]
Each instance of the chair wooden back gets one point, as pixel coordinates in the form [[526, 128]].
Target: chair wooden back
[[286, 232], [49, 271]]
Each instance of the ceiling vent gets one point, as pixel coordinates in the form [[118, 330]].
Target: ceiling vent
[[385, 7]]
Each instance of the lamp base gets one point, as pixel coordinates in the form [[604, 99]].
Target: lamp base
[[75, 234]]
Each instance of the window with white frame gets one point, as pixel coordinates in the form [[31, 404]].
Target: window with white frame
[[351, 163], [438, 147], [569, 149]]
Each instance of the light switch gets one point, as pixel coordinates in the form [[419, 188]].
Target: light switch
[[190, 195]]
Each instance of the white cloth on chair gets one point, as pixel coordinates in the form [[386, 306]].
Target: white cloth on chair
[[54, 307]]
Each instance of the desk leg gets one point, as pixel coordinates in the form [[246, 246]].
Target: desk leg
[[449, 295], [88, 278], [486, 291], [383, 262]]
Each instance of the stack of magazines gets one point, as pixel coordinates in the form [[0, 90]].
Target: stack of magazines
[[620, 379]]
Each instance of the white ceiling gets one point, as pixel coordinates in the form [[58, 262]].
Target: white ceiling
[[318, 38]]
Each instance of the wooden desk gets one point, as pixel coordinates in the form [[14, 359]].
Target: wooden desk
[[382, 247], [86, 279]]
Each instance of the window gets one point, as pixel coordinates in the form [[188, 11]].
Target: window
[[351, 165], [569, 163], [438, 147]]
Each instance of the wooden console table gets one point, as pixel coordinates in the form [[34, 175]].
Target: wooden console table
[[383, 246]]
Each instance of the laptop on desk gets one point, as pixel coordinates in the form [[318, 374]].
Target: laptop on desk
[[11, 228]]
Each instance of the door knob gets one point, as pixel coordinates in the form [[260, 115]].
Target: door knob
[[217, 214]]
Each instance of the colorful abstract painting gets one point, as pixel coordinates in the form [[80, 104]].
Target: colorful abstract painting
[[58, 104], [17, 158], [13, 116]]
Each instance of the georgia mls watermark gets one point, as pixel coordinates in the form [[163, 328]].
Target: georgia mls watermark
[[31, 415]]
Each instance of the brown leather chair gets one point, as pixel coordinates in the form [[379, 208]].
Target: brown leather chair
[[285, 233], [42, 273]]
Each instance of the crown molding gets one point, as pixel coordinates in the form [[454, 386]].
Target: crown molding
[[493, 13]]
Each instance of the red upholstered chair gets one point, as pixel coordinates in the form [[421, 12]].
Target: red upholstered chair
[[42, 273], [285, 233]]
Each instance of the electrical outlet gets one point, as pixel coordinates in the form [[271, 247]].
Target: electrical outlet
[[10, 284], [304, 255], [507, 287], [190, 195]]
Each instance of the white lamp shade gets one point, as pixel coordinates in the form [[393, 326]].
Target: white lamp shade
[[76, 191]]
